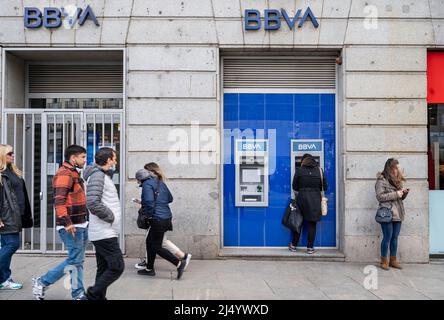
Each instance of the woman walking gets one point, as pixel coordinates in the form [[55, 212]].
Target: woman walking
[[15, 214], [156, 198], [141, 176], [390, 194], [308, 182]]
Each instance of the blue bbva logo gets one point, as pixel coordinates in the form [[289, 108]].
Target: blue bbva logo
[[54, 17], [252, 146], [272, 19], [307, 146]]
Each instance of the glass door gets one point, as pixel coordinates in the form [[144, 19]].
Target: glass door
[[436, 176]]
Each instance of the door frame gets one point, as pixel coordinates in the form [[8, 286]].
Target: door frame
[[334, 91], [123, 151]]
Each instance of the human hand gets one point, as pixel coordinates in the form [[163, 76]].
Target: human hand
[[1, 224], [71, 229], [400, 193]]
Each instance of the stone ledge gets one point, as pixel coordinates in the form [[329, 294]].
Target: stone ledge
[[330, 255]]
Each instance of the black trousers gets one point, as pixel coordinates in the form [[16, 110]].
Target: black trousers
[[154, 245], [311, 235], [110, 266]]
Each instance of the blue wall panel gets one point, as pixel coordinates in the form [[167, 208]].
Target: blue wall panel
[[279, 118]]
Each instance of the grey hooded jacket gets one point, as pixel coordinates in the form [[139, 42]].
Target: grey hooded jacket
[[103, 203]]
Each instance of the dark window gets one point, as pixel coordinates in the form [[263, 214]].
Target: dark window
[[435, 148], [71, 103]]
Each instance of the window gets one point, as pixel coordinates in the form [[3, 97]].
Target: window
[[436, 146], [70, 103]]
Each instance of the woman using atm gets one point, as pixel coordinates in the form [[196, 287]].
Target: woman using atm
[[308, 182]]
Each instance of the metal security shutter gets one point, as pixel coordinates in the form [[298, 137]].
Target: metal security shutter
[[301, 72], [75, 78]]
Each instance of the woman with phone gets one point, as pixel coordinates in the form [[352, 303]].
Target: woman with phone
[[156, 198], [390, 193]]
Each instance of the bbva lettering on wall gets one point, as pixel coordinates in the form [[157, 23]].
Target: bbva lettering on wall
[[54, 17], [272, 19]]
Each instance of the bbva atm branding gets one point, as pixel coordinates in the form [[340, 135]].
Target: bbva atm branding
[[52, 18], [252, 146], [307, 146]]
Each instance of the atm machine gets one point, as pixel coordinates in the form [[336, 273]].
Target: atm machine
[[299, 147], [251, 169]]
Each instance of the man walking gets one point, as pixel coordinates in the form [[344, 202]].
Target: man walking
[[103, 203], [72, 224]]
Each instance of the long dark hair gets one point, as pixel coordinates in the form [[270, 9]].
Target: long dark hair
[[308, 161], [389, 168], [155, 168]]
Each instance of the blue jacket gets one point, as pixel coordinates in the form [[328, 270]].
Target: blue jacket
[[159, 208]]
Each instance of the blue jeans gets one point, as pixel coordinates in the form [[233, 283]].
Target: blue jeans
[[74, 263], [390, 233], [10, 244]]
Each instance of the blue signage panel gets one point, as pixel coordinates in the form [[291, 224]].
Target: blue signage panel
[[307, 146], [251, 146], [278, 118]]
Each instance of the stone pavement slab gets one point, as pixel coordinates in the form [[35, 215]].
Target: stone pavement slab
[[246, 280]]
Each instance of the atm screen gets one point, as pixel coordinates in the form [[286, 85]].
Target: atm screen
[[298, 160], [251, 175]]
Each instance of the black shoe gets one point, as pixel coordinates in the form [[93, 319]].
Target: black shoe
[[311, 250], [180, 269], [146, 272]]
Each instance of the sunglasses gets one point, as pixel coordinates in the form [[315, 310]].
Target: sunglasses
[[10, 154]]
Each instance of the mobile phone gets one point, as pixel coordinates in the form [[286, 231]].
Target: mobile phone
[[136, 200]]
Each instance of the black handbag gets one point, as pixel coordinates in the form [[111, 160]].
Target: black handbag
[[293, 217], [384, 215], [144, 220]]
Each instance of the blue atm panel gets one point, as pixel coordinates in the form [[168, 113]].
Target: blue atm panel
[[279, 118]]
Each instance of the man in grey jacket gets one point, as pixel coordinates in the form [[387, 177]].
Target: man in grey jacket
[[103, 203]]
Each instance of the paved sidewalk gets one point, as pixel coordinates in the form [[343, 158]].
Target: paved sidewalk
[[239, 279]]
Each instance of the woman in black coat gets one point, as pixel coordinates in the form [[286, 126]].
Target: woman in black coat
[[15, 214], [307, 184]]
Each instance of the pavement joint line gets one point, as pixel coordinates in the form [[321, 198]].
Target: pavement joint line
[[266, 282], [319, 288]]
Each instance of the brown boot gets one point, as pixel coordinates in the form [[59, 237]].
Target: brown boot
[[394, 263], [385, 263]]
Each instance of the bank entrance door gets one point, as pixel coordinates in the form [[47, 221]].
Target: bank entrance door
[[39, 139]]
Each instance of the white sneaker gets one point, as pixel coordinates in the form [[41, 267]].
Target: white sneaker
[[10, 285], [187, 260], [38, 289], [141, 265]]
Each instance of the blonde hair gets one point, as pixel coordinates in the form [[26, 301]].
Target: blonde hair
[[154, 168], [4, 150]]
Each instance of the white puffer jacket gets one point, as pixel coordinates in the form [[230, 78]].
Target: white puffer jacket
[[102, 201]]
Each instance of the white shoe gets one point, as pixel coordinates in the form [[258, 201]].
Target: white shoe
[[38, 289], [187, 259], [141, 265], [10, 285]]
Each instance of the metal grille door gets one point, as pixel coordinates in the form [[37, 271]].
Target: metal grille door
[[39, 140]]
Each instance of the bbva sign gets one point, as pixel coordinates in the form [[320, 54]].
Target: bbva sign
[[272, 19], [52, 17]]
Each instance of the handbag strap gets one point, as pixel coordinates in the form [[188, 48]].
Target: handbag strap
[[322, 179]]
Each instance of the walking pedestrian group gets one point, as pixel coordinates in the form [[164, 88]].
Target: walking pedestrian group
[[88, 209]]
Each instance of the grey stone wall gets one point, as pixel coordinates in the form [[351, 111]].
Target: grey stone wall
[[174, 79]]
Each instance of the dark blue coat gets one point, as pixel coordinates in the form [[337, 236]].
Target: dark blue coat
[[159, 208]]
